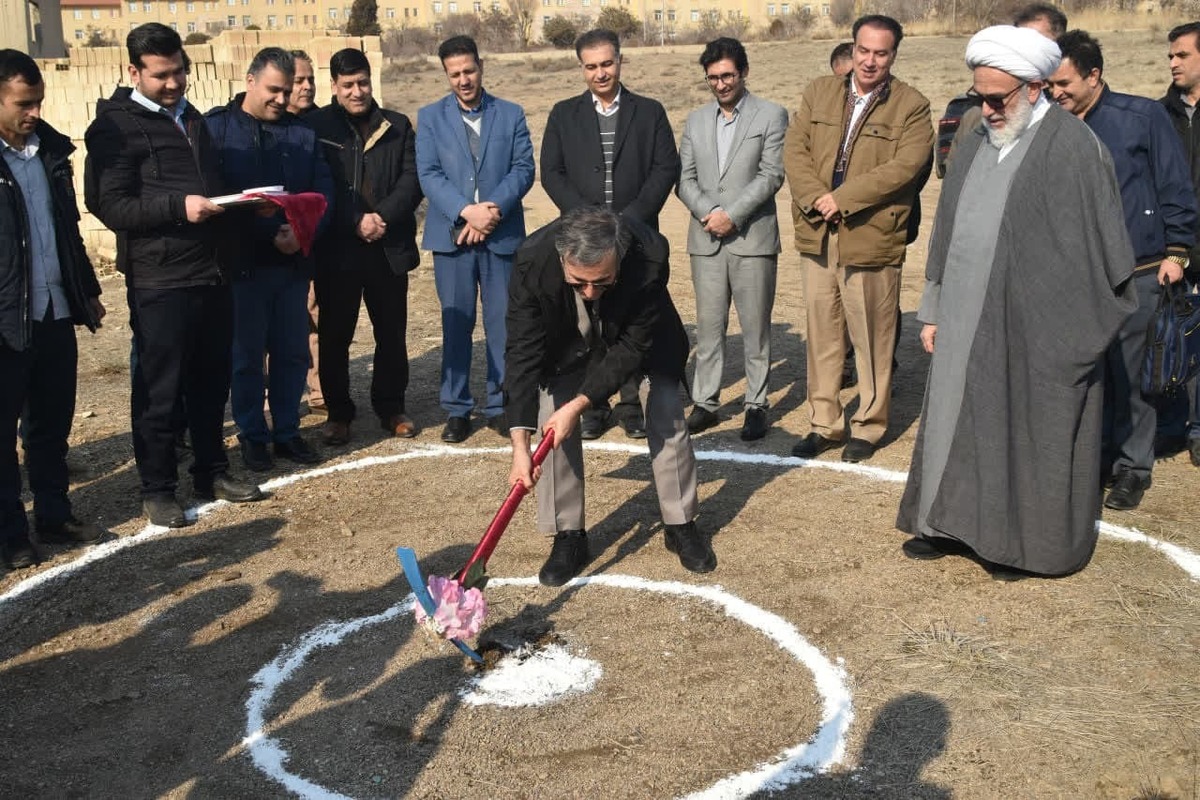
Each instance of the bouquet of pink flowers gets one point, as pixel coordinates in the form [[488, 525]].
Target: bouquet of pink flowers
[[459, 612]]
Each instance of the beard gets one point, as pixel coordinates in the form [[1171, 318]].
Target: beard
[[1015, 124]]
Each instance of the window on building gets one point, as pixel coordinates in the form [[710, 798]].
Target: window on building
[[333, 13], [231, 21], [172, 8], [453, 8], [174, 26], [190, 7], [477, 6], [133, 8], [270, 2], [78, 13], [289, 21], [114, 12], [391, 13], [148, 8], [560, 2], [95, 13], [545, 19], [825, 9], [272, 21], [695, 15], [246, 20], [787, 9], [132, 25], [78, 34], [191, 27], [495, 5], [770, 9], [658, 15], [670, 15], [437, 8]]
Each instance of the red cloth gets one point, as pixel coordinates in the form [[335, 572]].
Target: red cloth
[[303, 211]]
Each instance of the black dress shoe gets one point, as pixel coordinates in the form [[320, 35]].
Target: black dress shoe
[[923, 549], [567, 558], [634, 424], [701, 419], [298, 450], [165, 511], [499, 424], [693, 548], [813, 445], [1194, 451], [20, 554], [256, 456], [71, 531], [457, 430], [857, 450], [1003, 574], [593, 424], [1127, 491], [231, 490], [755, 425]]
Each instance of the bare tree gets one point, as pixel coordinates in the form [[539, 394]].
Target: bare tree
[[523, 13]]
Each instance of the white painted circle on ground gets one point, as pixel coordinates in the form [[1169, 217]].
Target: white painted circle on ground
[[535, 678], [823, 750]]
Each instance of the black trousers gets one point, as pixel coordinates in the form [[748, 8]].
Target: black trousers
[[340, 291], [38, 390], [183, 338]]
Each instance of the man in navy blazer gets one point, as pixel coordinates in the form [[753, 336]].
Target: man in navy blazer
[[610, 147], [475, 163]]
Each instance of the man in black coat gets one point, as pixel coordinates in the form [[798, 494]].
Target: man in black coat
[[589, 310], [150, 170], [47, 287], [370, 246], [612, 147]]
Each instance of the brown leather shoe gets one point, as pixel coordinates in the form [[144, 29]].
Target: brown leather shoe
[[400, 425], [335, 433]]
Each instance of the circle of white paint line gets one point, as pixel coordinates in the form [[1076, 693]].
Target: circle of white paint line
[[823, 750], [537, 679], [1185, 559]]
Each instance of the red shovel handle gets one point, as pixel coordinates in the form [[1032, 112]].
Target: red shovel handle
[[483, 551]]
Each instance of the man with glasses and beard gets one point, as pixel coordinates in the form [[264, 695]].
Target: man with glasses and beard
[[1027, 283], [588, 310]]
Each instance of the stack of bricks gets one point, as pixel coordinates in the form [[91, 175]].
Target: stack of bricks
[[74, 84]]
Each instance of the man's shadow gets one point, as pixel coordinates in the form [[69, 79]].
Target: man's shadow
[[908, 733]]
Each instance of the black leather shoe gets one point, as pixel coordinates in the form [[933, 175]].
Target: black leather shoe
[[693, 548], [567, 558], [923, 549], [499, 424], [701, 419], [298, 450], [857, 450], [165, 511], [457, 430], [230, 490], [593, 424], [1194, 451], [20, 554], [813, 445], [256, 456], [72, 531], [1127, 491], [755, 425], [635, 424]]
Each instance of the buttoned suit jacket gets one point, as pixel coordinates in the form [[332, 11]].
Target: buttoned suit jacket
[[746, 188], [645, 159], [447, 174]]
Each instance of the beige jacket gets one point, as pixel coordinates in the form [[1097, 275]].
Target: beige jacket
[[893, 146]]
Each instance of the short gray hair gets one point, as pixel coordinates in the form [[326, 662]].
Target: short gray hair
[[587, 234]]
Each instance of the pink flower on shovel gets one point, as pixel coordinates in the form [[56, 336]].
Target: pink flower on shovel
[[460, 612]]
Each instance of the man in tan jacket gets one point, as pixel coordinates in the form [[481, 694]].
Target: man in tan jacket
[[854, 156]]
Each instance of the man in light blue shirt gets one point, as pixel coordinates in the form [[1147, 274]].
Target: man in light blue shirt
[[47, 286]]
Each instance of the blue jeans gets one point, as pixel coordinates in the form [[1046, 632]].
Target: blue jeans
[[461, 277], [270, 318]]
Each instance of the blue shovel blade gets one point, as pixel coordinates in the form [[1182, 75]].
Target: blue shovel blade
[[412, 574]]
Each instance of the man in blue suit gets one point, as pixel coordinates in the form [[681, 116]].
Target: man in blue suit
[[475, 163]]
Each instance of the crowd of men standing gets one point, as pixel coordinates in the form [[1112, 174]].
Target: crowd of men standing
[[252, 303]]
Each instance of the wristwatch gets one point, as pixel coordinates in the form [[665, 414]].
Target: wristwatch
[[1182, 261]]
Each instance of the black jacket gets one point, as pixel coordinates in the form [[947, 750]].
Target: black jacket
[[645, 162], [79, 279], [140, 167], [376, 174], [254, 153], [640, 329], [1189, 133]]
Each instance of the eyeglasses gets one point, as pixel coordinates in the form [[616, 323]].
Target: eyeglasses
[[599, 286], [724, 77], [996, 101]]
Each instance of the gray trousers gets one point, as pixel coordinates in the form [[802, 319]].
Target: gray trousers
[[560, 502], [750, 282], [1129, 416]]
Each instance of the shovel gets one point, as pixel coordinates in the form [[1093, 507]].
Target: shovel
[[473, 573]]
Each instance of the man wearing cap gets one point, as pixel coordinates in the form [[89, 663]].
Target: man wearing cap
[[1006, 463]]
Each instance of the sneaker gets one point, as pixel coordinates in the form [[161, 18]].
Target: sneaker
[[567, 558], [298, 450]]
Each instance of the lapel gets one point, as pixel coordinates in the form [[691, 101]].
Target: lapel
[[458, 128], [748, 112], [625, 114], [487, 116], [587, 128]]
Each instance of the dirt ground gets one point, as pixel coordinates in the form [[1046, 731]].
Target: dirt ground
[[130, 677]]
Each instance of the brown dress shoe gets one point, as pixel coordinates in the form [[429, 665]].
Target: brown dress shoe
[[335, 433], [400, 425]]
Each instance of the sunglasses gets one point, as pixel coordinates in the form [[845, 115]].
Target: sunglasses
[[996, 101]]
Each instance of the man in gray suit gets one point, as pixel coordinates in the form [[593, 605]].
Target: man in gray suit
[[732, 154]]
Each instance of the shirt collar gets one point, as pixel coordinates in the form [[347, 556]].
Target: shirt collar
[[737, 108], [29, 151], [146, 102], [478, 109], [616, 103]]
